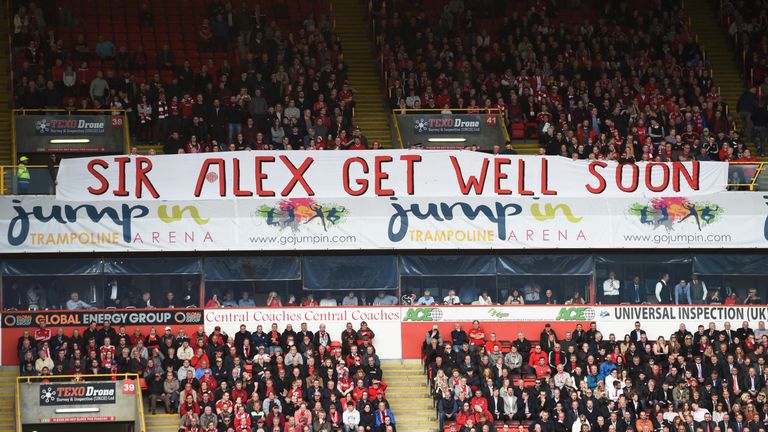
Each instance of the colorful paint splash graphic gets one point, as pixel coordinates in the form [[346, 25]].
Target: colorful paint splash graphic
[[294, 212], [666, 212]]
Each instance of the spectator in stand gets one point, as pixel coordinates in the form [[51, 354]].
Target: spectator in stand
[[683, 293], [759, 127], [611, 289], [74, 302], [384, 299], [426, 299]]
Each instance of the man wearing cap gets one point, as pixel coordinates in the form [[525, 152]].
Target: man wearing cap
[[22, 176]]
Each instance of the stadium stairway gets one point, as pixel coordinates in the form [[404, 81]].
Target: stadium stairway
[[8, 376], [6, 151], [409, 396], [372, 112], [527, 148], [719, 53], [161, 422]]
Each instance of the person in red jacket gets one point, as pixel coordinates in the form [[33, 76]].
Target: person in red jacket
[[189, 405], [536, 354], [464, 414], [375, 388], [542, 368], [479, 403], [476, 336], [42, 334]]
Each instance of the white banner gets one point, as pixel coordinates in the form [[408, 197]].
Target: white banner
[[384, 321], [386, 173], [659, 320], [502, 313], [724, 220]]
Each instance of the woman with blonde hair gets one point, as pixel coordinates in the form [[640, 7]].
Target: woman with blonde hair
[[660, 349], [674, 346], [440, 379], [600, 390], [273, 300]]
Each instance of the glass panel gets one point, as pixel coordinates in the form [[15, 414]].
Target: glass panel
[[343, 273], [466, 288], [423, 265], [52, 266], [643, 271], [161, 291], [249, 293], [543, 289], [40, 181], [51, 292], [252, 268], [731, 264], [741, 176], [545, 264], [166, 265]]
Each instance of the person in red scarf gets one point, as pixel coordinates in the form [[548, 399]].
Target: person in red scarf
[[193, 426], [359, 390], [242, 418], [376, 387], [189, 406], [365, 332], [275, 417]]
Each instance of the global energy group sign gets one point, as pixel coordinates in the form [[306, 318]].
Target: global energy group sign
[[444, 125], [78, 393], [118, 318]]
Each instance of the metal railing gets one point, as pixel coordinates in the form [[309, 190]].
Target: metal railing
[[747, 176], [41, 182]]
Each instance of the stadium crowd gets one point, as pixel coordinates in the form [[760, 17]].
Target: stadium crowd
[[747, 24], [630, 84], [749, 34], [282, 380], [259, 88], [708, 380]]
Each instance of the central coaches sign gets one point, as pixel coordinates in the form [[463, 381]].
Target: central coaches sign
[[78, 394]]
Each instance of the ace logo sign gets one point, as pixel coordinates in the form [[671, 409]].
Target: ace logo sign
[[576, 314]]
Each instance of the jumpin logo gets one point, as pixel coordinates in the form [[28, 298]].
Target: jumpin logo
[[294, 212], [667, 212]]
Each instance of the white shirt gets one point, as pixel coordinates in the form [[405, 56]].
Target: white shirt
[[659, 287], [698, 415], [451, 300], [561, 378], [611, 287], [425, 300], [349, 301], [328, 302], [484, 301], [351, 418], [185, 354]]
